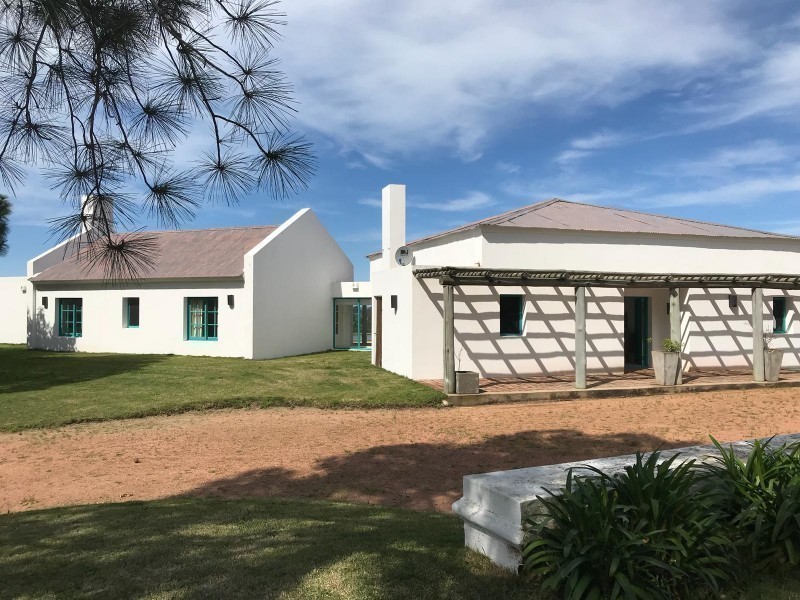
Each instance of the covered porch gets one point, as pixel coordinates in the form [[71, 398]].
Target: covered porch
[[581, 281]]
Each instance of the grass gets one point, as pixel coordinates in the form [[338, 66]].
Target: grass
[[191, 548], [49, 389], [287, 550]]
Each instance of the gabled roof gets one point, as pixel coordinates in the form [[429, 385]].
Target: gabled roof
[[577, 216], [187, 254]]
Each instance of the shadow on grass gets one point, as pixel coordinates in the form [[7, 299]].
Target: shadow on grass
[[427, 476], [24, 370], [243, 549]]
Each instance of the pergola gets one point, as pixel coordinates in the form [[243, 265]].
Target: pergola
[[449, 277]]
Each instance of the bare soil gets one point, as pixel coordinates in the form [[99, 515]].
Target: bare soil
[[413, 458]]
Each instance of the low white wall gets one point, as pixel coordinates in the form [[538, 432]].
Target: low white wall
[[162, 319], [14, 309]]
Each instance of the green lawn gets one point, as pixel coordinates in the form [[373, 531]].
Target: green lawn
[[243, 549], [193, 548], [47, 389]]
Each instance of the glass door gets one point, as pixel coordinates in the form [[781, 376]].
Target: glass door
[[352, 323]]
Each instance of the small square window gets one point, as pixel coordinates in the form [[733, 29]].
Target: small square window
[[779, 314], [131, 308], [511, 312]]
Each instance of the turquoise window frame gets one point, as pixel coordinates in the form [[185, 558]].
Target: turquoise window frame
[[779, 314], [520, 316], [358, 303], [128, 313], [210, 306], [70, 317]]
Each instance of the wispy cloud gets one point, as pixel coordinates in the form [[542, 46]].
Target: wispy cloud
[[584, 147], [373, 202], [472, 201], [507, 167], [390, 79]]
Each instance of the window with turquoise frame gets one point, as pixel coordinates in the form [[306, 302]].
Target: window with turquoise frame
[[779, 314], [70, 317], [131, 309], [511, 312], [202, 318]]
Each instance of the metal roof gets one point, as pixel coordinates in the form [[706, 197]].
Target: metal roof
[[566, 215], [187, 254], [555, 278]]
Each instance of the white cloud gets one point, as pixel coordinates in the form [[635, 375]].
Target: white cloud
[[754, 156], [507, 167], [386, 79], [373, 202], [472, 201], [746, 190]]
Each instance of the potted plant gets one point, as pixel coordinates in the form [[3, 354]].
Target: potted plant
[[667, 362], [467, 382], [773, 358]]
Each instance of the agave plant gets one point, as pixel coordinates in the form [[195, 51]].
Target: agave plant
[[648, 532], [760, 498]]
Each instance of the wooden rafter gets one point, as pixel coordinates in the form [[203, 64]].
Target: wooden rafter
[[556, 278]]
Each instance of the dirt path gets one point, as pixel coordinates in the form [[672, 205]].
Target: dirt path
[[411, 458]]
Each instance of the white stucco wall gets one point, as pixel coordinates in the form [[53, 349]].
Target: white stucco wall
[[293, 273], [713, 335], [509, 248], [14, 309], [162, 319]]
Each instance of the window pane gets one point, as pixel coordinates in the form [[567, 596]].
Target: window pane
[[511, 315], [779, 314], [70, 318], [203, 318], [133, 312]]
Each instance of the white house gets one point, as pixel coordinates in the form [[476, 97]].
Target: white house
[[251, 292], [509, 295], [554, 287]]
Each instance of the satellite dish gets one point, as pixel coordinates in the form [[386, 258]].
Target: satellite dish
[[403, 256]]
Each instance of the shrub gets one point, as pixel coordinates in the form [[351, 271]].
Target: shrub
[[646, 533], [760, 498], [669, 345]]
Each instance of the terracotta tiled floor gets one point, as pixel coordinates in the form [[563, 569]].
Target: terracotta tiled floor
[[642, 378]]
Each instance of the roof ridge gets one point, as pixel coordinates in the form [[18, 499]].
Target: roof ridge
[[201, 229]]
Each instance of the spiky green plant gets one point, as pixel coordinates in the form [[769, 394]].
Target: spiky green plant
[[644, 533], [760, 497]]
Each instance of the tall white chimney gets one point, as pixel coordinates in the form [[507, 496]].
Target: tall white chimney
[[394, 222]]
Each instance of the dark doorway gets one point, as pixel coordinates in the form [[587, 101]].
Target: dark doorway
[[637, 332]]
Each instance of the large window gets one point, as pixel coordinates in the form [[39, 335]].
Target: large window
[[131, 309], [511, 310], [202, 318], [70, 317], [779, 314]]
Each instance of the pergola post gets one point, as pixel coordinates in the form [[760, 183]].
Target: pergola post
[[675, 330], [449, 341], [580, 338], [758, 334]]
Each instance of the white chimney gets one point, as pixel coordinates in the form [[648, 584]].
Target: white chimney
[[394, 222]]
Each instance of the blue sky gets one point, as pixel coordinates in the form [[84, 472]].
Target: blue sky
[[683, 108]]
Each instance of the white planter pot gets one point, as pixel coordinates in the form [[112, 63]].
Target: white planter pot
[[667, 366], [467, 382], [772, 364]]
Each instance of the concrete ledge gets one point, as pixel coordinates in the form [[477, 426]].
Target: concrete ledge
[[608, 392], [495, 506]]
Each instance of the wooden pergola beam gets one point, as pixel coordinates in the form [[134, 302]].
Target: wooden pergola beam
[[460, 276]]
